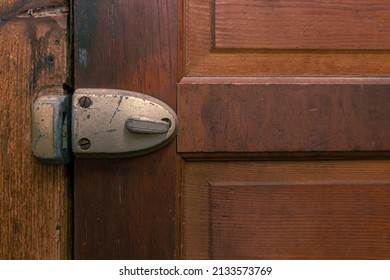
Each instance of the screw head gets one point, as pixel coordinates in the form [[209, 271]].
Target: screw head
[[84, 144], [85, 102]]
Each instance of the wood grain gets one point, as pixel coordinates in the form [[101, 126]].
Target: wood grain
[[34, 204], [322, 24], [125, 209], [300, 220], [291, 115], [341, 209], [203, 55]]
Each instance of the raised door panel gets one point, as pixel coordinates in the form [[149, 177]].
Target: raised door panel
[[299, 24], [287, 210], [284, 115], [286, 38]]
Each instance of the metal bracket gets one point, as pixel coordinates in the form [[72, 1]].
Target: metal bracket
[[105, 123], [50, 137]]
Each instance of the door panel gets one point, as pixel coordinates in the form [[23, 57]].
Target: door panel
[[209, 51], [285, 79], [287, 210], [283, 115], [285, 24]]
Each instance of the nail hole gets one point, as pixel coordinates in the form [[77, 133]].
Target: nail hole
[[50, 60]]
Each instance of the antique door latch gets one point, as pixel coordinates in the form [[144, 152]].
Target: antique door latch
[[100, 123]]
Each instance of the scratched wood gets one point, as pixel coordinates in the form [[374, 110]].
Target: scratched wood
[[34, 204]]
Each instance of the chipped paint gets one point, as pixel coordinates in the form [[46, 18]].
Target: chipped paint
[[58, 13]]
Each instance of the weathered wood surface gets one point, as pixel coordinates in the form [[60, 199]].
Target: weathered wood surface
[[34, 205]]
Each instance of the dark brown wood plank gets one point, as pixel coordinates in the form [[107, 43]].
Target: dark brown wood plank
[[34, 198], [321, 24], [203, 55], [125, 209], [352, 204], [300, 220], [324, 115]]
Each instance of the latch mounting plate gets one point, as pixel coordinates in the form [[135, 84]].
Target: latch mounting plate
[[105, 123]]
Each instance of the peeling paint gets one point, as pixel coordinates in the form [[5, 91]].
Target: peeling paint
[[58, 13]]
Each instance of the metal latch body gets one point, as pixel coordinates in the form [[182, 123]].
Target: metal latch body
[[50, 122], [105, 123]]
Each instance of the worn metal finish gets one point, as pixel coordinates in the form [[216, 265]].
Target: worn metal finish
[[50, 129], [119, 123], [105, 123], [142, 125]]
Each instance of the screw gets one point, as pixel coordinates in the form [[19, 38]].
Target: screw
[[84, 144], [85, 102]]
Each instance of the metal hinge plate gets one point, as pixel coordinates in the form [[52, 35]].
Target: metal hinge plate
[[105, 123]]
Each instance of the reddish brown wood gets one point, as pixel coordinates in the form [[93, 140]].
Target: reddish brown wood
[[249, 92], [294, 209], [35, 216], [300, 220], [321, 24], [125, 209], [292, 116], [288, 56]]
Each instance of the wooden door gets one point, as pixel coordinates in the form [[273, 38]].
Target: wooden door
[[126, 209], [284, 127], [35, 212]]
